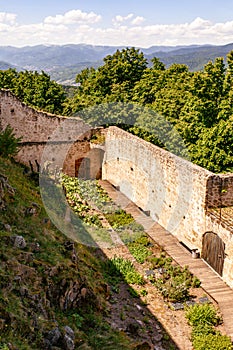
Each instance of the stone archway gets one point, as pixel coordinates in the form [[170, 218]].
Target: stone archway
[[213, 251]]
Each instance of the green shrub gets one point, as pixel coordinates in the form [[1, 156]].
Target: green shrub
[[175, 282], [92, 220], [212, 342], [202, 329], [119, 218], [172, 289], [4, 347], [139, 248], [139, 252], [8, 142], [202, 314], [203, 318], [127, 270]]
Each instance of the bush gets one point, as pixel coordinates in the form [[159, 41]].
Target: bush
[[8, 142], [202, 329], [4, 347], [212, 342], [119, 219], [175, 282], [203, 318], [139, 249], [127, 270], [204, 314]]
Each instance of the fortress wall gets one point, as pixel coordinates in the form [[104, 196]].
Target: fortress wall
[[172, 189], [174, 192], [36, 126]]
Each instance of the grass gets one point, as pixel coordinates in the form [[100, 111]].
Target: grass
[[139, 248], [204, 319], [119, 268], [34, 283]]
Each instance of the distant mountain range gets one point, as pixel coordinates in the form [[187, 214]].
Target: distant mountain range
[[65, 61]]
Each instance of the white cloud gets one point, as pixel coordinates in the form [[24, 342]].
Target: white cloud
[[85, 27], [73, 16], [199, 23], [138, 20], [118, 20], [8, 18]]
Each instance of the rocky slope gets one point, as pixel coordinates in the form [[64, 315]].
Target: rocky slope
[[55, 293]]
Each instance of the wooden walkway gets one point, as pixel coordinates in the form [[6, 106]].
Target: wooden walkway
[[211, 282]]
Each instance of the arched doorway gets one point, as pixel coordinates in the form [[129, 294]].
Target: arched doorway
[[82, 168], [213, 251]]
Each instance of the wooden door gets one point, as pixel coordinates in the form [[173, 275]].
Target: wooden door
[[213, 251]]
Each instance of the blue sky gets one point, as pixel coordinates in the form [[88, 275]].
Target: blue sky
[[130, 22]]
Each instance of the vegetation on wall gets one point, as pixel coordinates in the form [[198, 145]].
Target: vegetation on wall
[[8, 142]]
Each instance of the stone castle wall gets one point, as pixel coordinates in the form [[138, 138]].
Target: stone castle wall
[[220, 191], [39, 130], [175, 192]]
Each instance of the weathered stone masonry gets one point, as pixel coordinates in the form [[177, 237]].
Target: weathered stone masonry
[[174, 192], [39, 130]]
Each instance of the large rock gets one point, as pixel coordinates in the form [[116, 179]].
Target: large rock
[[68, 343], [19, 242], [69, 331], [54, 336]]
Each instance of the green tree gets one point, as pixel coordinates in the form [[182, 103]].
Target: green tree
[[8, 142], [35, 89], [112, 82]]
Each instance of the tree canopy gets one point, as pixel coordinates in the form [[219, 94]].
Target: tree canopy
[[198, 105], [35, 89], [163, 105]]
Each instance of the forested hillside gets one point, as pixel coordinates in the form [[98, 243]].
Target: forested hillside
[[153, 102]]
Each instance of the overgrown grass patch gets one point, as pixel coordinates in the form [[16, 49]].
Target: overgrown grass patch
[[125, 268], [203, 318], [119, 219], [139, 248]]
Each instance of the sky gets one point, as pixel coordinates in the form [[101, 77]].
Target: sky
[[139, 23]]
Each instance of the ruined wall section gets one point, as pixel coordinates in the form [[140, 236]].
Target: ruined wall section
[[35, 126], [220, 191], [38, 130], [170, 188]]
